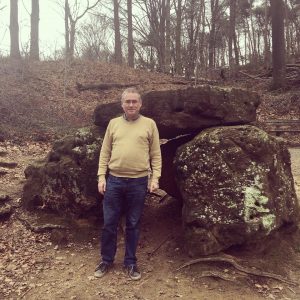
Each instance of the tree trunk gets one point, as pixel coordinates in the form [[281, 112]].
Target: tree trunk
[[278, 44], [14, 30], [118, 46], [72, 39], [162, 40], [287, 30], [212, 34], [168, 38], [67, 31], [267, 54], [231, 35], [178, 61], [34, 30], [130, 35], [235, 43]]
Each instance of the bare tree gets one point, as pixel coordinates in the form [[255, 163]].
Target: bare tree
[[118, 45], [168, 38], [178, 59], [72, 16], [14, 30], [93, 38], [130, 35], [214, 7], [278, 44], [267, 53], [232, 37], [34, 33]]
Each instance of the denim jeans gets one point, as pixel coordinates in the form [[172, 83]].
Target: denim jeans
[[122, 195]]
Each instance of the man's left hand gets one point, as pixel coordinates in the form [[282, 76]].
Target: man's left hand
[[153, 186]]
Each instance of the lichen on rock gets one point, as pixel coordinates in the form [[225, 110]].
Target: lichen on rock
[[236, 185]]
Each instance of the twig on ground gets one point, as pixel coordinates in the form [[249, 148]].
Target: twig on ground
[[24, 294], [160, 245], [234, 263]]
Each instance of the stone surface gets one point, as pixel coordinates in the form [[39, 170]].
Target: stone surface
[[66, 181], [190, 110], [237, 188]]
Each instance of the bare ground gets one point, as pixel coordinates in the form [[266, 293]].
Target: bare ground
[[34, 266]]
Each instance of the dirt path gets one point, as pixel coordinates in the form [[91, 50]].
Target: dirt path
[[33, 267]]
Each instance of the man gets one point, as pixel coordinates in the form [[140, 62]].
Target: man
[[130, 150]]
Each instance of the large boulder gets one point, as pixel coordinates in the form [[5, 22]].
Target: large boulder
[[190, 110], [66, 181], [237, 188]]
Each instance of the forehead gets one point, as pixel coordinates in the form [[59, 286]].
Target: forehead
[[131, 96]]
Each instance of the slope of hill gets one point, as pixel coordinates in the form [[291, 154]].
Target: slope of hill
[[40, 99]]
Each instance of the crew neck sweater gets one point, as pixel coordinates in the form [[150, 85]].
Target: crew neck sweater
[[130, 149]]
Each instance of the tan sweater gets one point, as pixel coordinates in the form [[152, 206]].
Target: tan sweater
[[130, 149]]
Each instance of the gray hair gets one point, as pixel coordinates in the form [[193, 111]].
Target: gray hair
[[131, 90]]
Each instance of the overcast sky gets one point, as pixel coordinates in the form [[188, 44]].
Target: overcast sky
[[51, 26]]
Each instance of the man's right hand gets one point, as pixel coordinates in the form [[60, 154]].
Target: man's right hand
[[101, 186]]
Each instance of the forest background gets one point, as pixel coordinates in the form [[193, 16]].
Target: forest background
[[194, 38]]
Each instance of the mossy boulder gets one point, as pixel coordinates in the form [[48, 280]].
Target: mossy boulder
[[237, 188], [66, 180]]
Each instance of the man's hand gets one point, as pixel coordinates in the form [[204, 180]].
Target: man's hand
[[102, 186], [153, 186]]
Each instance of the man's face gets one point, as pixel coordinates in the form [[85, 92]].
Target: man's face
[[131, 105]]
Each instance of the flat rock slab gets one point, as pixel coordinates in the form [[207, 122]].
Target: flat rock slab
[[189, 110]]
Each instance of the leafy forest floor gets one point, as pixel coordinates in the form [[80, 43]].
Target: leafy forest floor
[[39, 102]]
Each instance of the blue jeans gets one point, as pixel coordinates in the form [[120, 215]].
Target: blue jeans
[[122, 195]]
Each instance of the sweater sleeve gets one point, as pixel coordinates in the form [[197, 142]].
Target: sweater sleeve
[[105, 153], [155, 153]]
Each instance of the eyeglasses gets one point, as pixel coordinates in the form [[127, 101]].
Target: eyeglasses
[[133, 102]]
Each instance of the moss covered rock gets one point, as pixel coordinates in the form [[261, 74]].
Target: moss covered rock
[[66, 181], [237, 187]]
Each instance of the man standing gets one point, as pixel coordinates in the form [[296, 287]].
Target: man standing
[[130, 155]]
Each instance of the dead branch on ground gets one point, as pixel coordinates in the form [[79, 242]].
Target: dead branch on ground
[[39, 228], [102, 86]]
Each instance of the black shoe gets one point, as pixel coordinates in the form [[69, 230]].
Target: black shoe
[[101, 269], [133, 272]]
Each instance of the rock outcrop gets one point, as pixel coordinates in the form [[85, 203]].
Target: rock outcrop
[[189, 110], [66, 181], [237, 188]]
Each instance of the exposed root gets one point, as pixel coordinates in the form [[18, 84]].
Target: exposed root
[[217, 274], [234, 263]]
